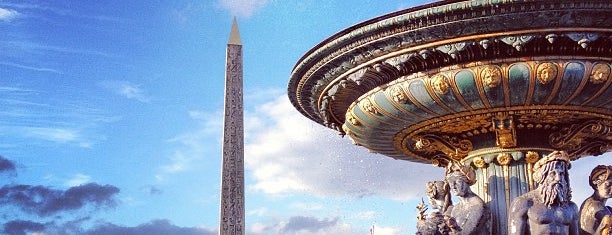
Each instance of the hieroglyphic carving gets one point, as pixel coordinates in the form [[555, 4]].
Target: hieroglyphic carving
[[232, 179]]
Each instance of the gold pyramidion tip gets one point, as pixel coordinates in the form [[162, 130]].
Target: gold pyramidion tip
[[234, 38]]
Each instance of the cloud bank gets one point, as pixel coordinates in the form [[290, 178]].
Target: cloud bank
[[6, 166], [155, 227], [7, 14], [44, 201], [287, 153]]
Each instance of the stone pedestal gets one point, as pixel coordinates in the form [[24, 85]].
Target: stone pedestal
[[501, 176]]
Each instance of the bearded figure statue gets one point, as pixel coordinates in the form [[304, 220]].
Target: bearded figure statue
[[546, 209]]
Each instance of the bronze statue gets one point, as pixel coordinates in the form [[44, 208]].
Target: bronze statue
[[470, 215], [439, 196], [595, 216], [546, 209]]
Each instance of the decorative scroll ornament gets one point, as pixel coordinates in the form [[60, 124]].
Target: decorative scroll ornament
[[440, 161], [590, 137], [491, 76], [547, 72], [398, 94], [505, 132], [504, 159], [439, 84], [451, 146], [600, 73], [518, 42], [367, 105]]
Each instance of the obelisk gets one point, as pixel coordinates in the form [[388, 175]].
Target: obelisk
[[232, 175]]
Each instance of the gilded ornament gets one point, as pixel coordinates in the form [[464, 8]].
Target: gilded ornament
[[436, 162], [367, 105], [439, 84], [451, 146], [479, 162], [504, 159], [351, 119], [398, 94], [461, 125], [547, 72], [347, 130], [532, 157], [504, 131], [491, 76], [600, 73]]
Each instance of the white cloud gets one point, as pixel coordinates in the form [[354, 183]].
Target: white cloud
[[368, 215], [59, 135], [242, 8], [78, 179], [303, 225], [127, 90], [309, 225], [7, 14], [190, 145], [31, 68], [262, 211], [306, 206], [288, 154]]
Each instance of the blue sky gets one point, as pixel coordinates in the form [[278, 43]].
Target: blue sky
[[111, 122]]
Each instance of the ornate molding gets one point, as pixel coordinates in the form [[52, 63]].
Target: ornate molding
[[600, 73], [589, 137], [504, 159], [505, 133], [547, 72], [448, 67], [518, 42], [452, 147]]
